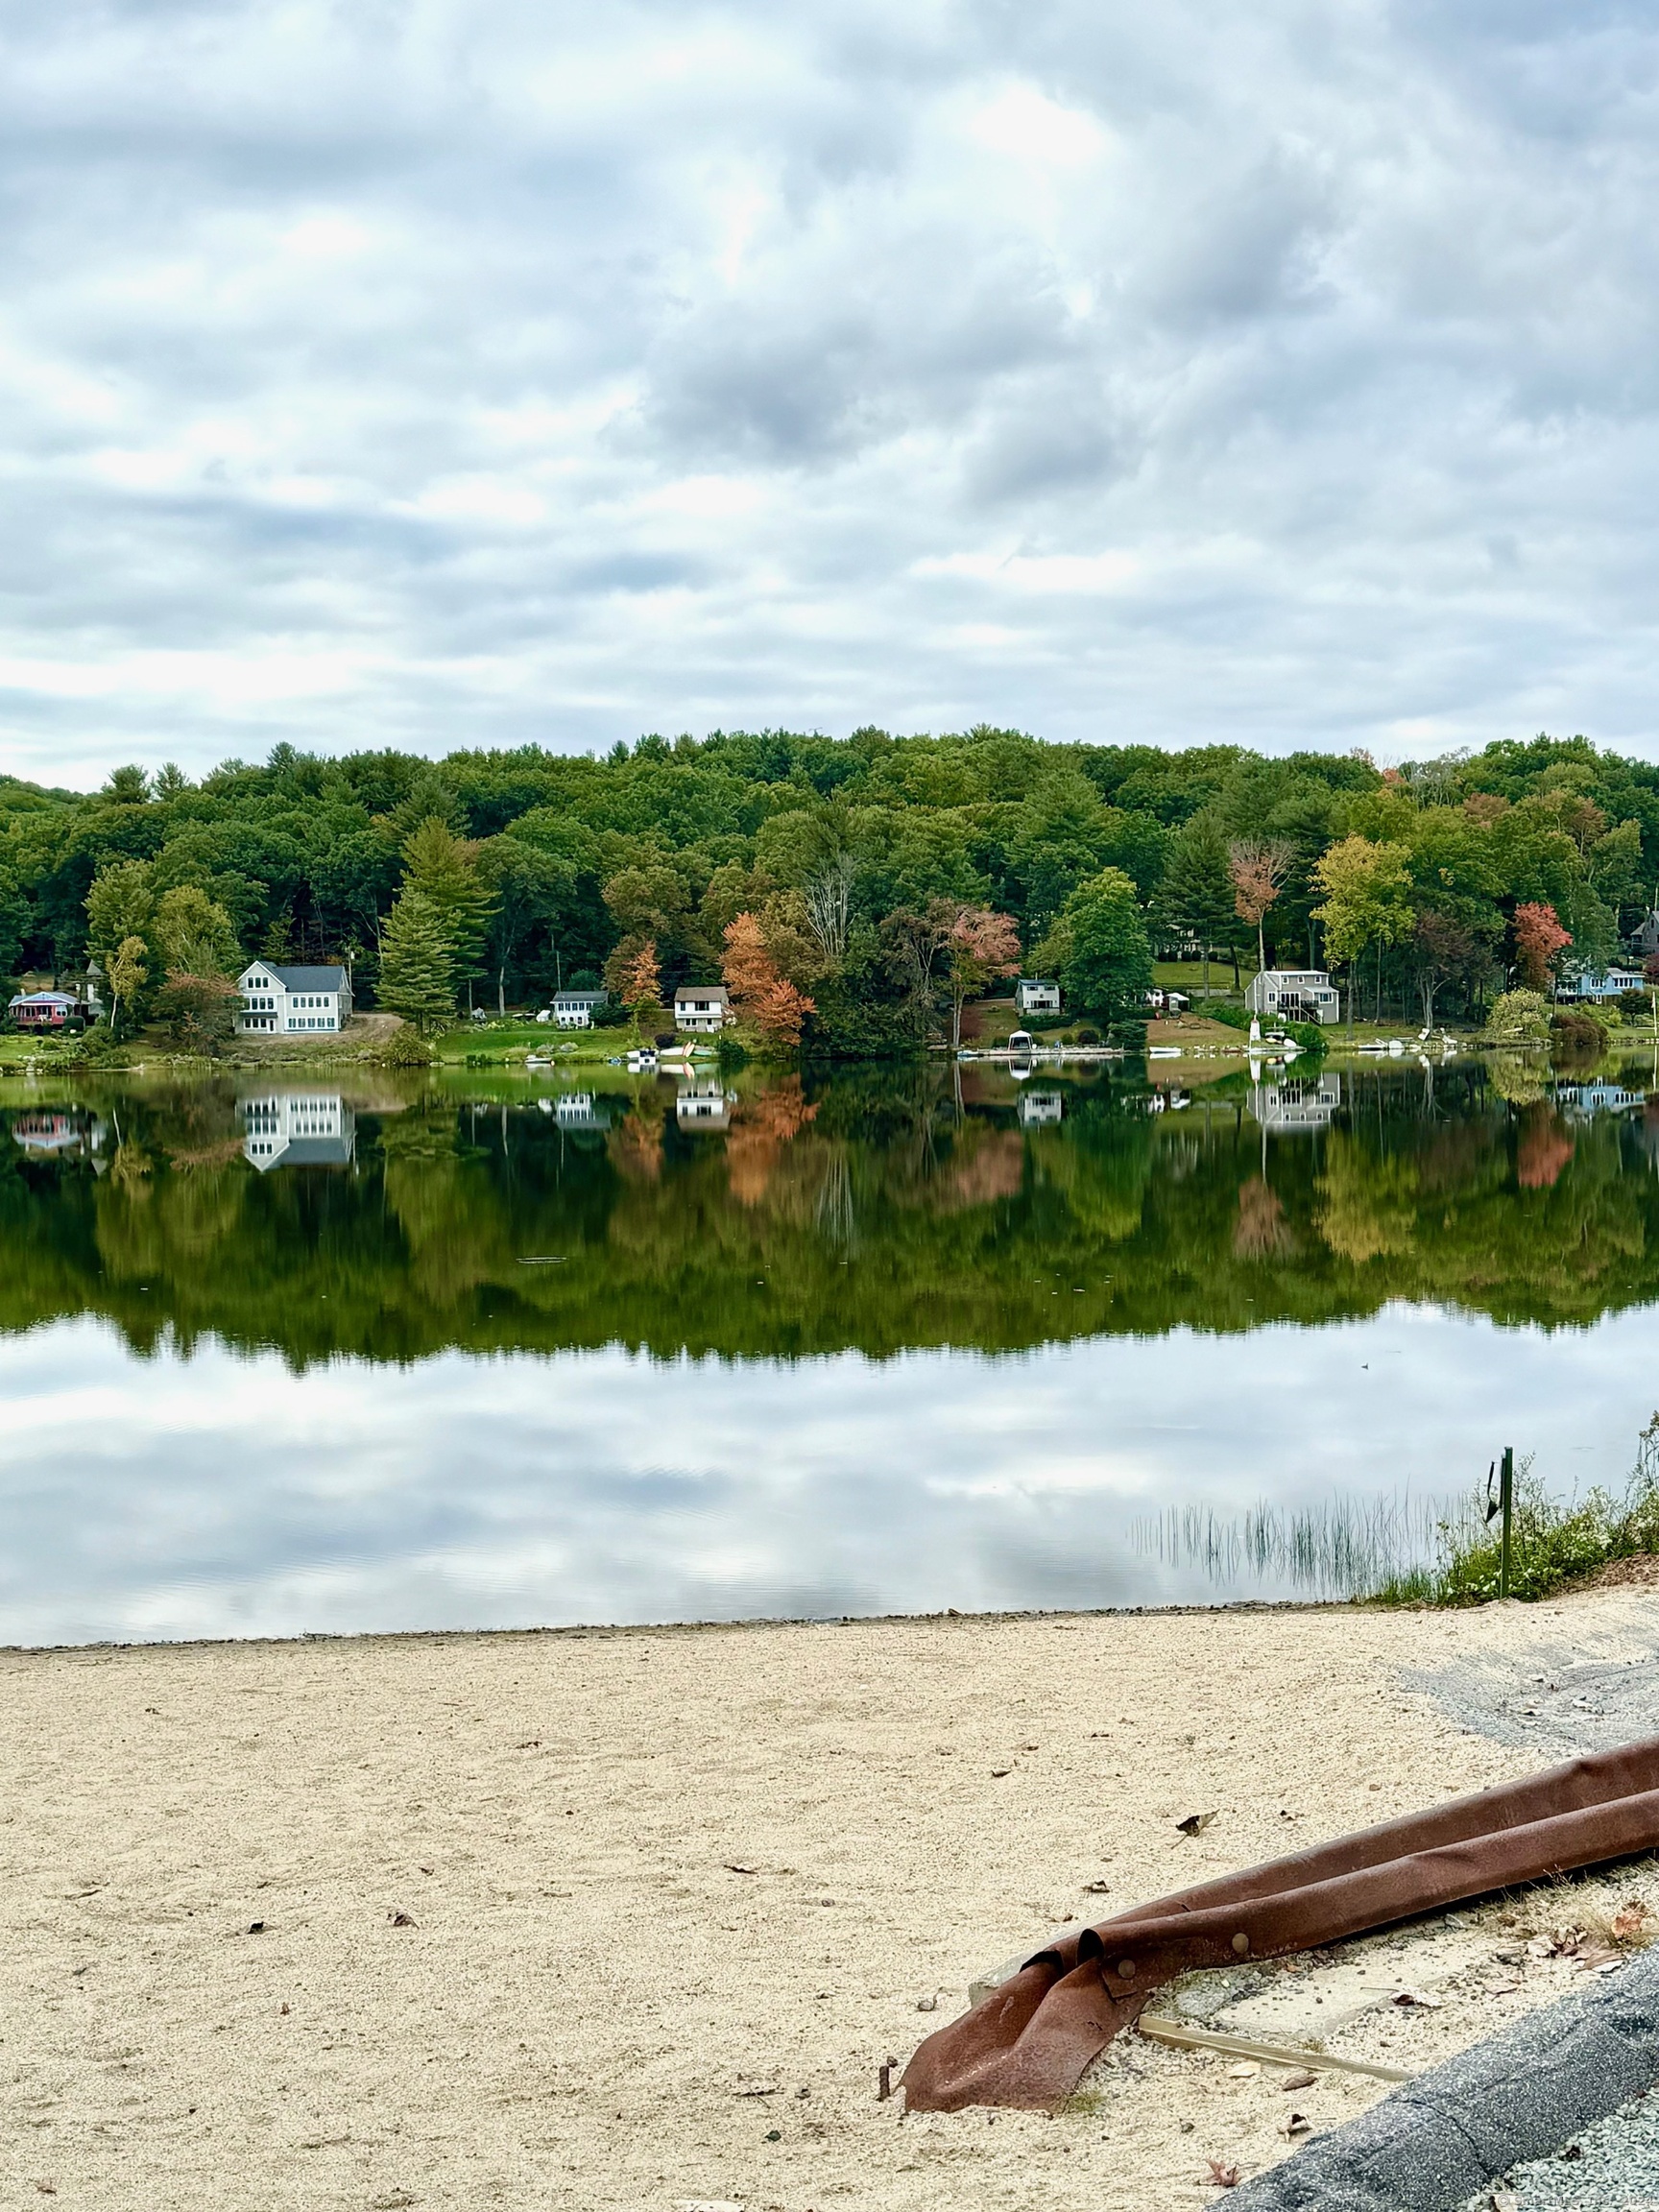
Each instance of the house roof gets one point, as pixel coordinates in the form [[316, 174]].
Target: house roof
[[583, 998], [44, 998], [715, 991], [301, 978]]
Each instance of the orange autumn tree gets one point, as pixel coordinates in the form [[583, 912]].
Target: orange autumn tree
[[769, 999], [638, 982], [1538, 938]]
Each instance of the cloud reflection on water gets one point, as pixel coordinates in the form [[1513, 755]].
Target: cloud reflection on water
[[221, 1494]]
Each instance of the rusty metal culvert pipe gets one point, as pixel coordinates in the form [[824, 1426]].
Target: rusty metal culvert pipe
[[1031, 2040]]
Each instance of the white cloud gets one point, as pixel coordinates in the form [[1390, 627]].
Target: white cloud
[[1287, 373]]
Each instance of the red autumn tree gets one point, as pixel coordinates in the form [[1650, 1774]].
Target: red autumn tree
[[980, 944], [1539, 938]]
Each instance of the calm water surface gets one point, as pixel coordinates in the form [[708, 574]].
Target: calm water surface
[[278, 1357]]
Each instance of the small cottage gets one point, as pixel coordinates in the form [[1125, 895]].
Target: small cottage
[[1033, 996], [575, 1009], [48, 1010], [293, 1000], [702, 1006]]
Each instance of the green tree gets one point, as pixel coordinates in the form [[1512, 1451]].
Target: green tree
[[1100, 948], [1196, 897], [1367, 900], [121, 903], [529, 890], [443, 870], [127, 971], [13, 921], [128, 786], [193, 933], [416, 969]]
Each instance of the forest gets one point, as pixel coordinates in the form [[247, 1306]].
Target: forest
[[853, 892]]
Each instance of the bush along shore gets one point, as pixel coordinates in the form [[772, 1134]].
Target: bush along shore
[[1554, 1544]]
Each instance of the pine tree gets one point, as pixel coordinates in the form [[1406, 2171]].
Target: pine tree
[[417, 974], [441, 868], [1195, 898]]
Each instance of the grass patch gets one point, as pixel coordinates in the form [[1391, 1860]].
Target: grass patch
[[1552, 1543]]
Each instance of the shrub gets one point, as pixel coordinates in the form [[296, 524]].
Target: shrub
[[1634, 1006], [405, 1048], [100, 1044], [1551, 1543], [1519, 1018]]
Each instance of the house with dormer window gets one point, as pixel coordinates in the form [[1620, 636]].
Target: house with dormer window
[[293, 1001]]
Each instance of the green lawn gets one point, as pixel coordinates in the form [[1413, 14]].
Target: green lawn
[[511, 1040]]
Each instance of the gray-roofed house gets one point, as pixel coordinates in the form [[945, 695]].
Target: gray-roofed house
[[290, 1001], [1037, 994], [575, 1009], [704, 1006]]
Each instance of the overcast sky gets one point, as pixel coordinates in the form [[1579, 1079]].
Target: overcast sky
[[476, 372]]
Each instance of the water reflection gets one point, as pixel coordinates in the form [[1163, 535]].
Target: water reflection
[[399, 1354]]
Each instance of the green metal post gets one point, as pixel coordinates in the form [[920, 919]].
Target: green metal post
[[1505, 1500]]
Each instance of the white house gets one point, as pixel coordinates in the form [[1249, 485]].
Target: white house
[[1607, 984], [297, 1129], [702, 1006], [1294, 995], [1034, 997], [293, 998], [575, 1009]]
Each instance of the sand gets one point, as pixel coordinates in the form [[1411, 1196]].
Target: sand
[[671, 1898]]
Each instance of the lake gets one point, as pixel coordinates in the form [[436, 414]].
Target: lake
[[479, 1351]]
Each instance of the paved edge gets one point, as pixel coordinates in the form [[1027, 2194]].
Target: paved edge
[[1523, 2095]]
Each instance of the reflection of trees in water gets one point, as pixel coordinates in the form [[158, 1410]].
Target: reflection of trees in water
[[636, 1143], [762, 1124], [1543, 1149], [1369, 1204], [960, 1221], [1262, 1231], [833, 1213]]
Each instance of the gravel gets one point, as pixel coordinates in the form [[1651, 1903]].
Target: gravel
[[1612, 2167], [1550, 1697]]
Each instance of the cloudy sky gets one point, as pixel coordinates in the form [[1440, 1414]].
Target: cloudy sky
[[477, 371]]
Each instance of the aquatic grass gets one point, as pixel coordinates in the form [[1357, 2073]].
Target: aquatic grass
[[1344, 1548], [1553, 1541]]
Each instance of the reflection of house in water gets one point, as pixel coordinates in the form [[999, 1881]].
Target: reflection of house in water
[[1288, 1104], [60, 1133], [299, 1129], [703, 1106], [577, 1110], [1039, 1108], [1584, 1101]]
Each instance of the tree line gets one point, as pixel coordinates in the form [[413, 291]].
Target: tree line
[[854, 894]]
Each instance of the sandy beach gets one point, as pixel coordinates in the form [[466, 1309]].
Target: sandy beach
[[630, 1919]]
